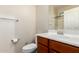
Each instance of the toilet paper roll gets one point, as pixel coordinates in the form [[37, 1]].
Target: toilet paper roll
[[15, 40]]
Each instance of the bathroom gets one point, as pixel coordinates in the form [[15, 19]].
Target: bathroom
[[23, 25]]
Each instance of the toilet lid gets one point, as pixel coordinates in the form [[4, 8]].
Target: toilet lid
[[29, 46]]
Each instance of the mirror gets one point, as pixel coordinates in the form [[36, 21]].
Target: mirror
[[59, 18], [71, 21]]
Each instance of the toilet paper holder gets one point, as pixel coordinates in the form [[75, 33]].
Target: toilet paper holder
[[14, 41]]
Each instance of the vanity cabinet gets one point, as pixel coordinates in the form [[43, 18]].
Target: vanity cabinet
[[46, 45]]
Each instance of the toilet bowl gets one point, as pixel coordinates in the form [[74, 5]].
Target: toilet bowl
[[29, 48]]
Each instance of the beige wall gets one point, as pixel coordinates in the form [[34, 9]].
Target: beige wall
[[42, 18], [25, 28]]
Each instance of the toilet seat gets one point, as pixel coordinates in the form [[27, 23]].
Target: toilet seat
[[29, 46]]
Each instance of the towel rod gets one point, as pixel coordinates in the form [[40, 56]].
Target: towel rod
[[9, 18]]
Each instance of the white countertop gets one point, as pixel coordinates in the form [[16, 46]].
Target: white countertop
[[69, 39]]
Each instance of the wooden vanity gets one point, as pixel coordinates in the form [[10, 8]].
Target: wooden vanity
[[46, 45]]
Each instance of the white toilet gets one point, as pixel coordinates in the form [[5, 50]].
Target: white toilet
[[29, 48]]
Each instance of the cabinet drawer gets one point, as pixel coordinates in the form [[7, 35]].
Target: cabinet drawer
[[42, 40], [62, 47], [42, 49]]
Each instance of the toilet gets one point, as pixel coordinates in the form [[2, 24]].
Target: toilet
[[29, 48]]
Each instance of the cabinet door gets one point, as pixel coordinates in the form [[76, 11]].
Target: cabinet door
[[62, 47], [42, 49]]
